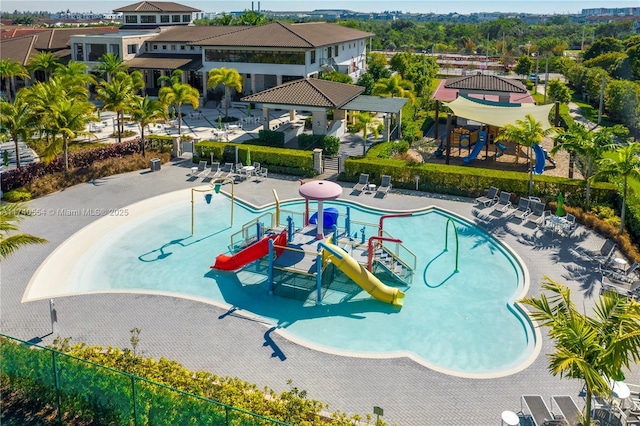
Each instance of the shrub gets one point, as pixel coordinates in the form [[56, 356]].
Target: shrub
[[330, 145], [270, 138], [401, 147], [16, 196]]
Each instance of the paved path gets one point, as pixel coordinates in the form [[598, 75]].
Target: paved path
[[202, 336]]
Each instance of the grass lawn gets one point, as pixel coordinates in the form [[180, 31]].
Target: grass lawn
[[591, 113]]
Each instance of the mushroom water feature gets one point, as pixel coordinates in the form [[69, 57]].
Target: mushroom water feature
[[320, 190]]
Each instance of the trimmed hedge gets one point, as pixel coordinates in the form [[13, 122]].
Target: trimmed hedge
[[277, 160]]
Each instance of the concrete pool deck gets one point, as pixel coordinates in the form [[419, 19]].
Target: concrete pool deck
[[202, 336]]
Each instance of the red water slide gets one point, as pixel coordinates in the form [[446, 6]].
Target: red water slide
[[255, 251]]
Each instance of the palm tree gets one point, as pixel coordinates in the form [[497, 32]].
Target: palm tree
[[117, 95], [75, 73], [394, 86], [110, 65], [68, 120], [179, 94], [365, 122], [146, 111], [17, 119], [229, 78], [527, 132], [45, 62], [10, 215], [625, 165], [9, 70], [168, 80], [588, 145], [593, 349]]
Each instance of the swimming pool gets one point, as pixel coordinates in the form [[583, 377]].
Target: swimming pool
[[463, 323]]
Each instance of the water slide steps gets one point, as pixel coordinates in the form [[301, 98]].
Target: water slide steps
[[255, 251], [365, 279], [397, 269], [541, 159]]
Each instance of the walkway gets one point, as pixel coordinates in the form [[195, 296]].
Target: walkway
[[202, 336]]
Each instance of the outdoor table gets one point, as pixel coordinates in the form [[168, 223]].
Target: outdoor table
[[620, 263], [510, 418], [371, 187], [558, 223], [248, 170]]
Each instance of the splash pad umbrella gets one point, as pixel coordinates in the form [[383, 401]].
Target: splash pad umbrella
[[320, 190]]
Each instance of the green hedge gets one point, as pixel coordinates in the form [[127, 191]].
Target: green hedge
[[277, 160], [472, 181]]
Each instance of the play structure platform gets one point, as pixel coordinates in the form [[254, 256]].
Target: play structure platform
[[299, 264]]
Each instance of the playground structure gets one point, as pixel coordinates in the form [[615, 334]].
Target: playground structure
[[298, 264]]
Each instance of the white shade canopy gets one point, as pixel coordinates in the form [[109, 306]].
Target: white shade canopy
[[497, 113]]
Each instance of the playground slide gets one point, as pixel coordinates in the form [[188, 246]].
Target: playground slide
[[250, 253], [482, 140], [364, 278], [541, 159]]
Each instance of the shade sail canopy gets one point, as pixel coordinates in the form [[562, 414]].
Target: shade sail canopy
[[499, 114]]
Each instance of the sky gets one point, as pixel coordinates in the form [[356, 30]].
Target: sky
[[443, 7]]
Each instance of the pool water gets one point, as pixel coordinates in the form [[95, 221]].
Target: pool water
[[463, 322]]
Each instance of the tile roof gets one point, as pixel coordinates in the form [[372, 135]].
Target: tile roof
[[166, 61], [156, 6], [376, 104], [280, 34], [17, 49], [187, 34], [489, 83], [311, 92]]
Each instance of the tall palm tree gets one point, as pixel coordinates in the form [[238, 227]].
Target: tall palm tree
[[10, 215], [109, 65], [75, 73], [527, 133], [588, 348], [146, 111], [18, 119], [118, 95], [168, 80], [625, 165], [394, 86], [179, 94], [68, 121], [588, 145], [9, 70], [229, 78], [45, 62], [365, 122]]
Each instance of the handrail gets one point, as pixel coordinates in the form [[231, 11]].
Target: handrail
[[408, 250], [388, 216], [446, 239], [398, 259], [370, 248]]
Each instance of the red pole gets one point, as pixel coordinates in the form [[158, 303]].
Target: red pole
[[386, 216]]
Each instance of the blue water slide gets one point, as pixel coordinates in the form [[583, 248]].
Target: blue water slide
[[480, 143], [541, 159]]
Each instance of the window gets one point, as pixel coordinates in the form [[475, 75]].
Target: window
[[131, 19], [115, 49], [132, 49], [186, 18], [148, 19], [175, 18], [164, 47], [155, 47], [313, 56], [255, 57], [193, 48], [182, 47], [173, 47], [79, 51], [164, 19], [335, 51], [329, 52]]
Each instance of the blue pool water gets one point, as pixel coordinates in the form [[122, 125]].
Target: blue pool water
[[461, 322]]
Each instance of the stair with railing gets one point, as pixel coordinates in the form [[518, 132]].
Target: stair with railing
[[393, 265]]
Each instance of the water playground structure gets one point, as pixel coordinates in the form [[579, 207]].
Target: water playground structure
[[300, 262]]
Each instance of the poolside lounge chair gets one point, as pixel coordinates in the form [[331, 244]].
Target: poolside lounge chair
[[567, 408], [503, 203], [385, 186], [490, 198], [537, 408], [523, 210], [201, 170], [537, 214], [623, 288], [214, 171], [362, 183], [227, 170], [603, 256]]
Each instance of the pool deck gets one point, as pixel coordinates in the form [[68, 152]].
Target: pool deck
[[206, 337]]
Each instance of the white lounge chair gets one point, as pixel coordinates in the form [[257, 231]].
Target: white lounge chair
[[523, 210], [538, 410], [214, 171], [567, 409], [385, 185], [490, 198], [504, 202], [537, 214], [201, 170], [362, 183]]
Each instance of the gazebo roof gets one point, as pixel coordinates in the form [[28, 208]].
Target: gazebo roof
[[485, 83], [310, 92]]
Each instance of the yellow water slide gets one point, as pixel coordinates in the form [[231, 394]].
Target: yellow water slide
[[361, 276]]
